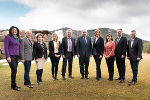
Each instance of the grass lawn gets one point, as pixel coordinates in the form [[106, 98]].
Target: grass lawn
[[77, 89]]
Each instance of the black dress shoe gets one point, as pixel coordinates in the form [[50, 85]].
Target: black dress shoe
[[53, 77], [82, 77], [97, 79], [118, 78], [16, 88], [110, 79], [87, 77], [71, 77], [63, 77], [132, 83], [38, 83], [30, 86], [121, 81], [40, 80], [56, 78]]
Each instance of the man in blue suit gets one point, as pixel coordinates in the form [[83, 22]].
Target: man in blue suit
[[84, 51]]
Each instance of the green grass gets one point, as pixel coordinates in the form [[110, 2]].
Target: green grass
[[77, 89]]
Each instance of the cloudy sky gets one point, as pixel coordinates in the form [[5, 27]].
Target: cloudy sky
[[77, 14]]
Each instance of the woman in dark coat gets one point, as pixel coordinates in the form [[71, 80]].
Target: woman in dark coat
[[40, 55], [54, 54]]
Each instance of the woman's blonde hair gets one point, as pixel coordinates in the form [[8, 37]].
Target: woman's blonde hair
[[97, 31], [57, 42]]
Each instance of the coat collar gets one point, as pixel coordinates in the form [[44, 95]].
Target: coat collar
[[28, 41]]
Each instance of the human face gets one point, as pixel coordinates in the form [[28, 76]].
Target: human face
[[40, 39], [119, 33], [109, 37], [133, 35], [69, 33], [14, 31], [54, 37], [28, 34], [97, 34], [84, 33]]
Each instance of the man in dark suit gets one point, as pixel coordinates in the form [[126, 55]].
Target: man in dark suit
[[134, 54], [120, 53], [68, 51], [84, 51]]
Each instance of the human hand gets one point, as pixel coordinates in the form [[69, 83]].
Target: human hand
[[9, 59]]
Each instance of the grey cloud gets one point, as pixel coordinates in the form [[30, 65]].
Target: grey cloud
[[131, 7], [97, 12], [128, 8]]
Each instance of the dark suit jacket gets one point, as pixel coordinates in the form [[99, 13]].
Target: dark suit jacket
[[38, 50], [65, 45], [121, 47], [136, 50], [98, 47], [51, 48], [82, 49]]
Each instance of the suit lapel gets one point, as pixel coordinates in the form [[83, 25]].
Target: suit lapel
[[97, 40], [86, 40], [30, 44], [72, 41], [129, 43], [66, 42], [134, 42], [53, 44], [116, 41], [120, 40], [94, 41]]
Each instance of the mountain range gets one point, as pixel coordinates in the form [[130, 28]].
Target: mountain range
[[104, 32]]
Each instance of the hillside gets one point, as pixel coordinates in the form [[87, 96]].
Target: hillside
[[146, 48], [104, 32], [76, 33]]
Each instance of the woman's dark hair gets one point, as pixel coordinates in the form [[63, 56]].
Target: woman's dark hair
[[39, 34], [10, 31], [107, 36]]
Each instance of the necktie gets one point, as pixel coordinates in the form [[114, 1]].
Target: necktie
[[84, 40], [30, 42], [118, 39], [69, 44]]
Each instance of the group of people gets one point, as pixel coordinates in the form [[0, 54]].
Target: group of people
[[27, 51]]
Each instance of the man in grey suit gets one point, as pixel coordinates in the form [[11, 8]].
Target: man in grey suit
[[68, 51], [26, 51], [84, 51], [134, 54]]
